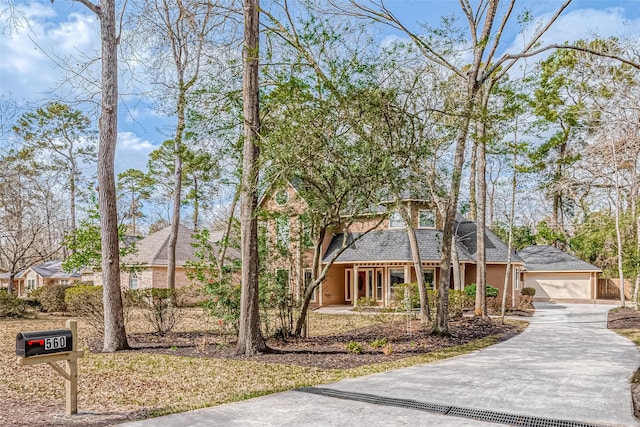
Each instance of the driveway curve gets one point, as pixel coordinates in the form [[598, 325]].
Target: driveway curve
[[566, 366]]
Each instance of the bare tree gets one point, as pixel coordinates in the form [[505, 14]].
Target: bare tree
[[115, 336], [250, 340]]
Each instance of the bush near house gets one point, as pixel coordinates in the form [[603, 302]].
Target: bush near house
[[50, 297], [11, 305], [86, 301], [406, 295], [489, 290]]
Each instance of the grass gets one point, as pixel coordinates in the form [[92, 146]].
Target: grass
[[160, 384]]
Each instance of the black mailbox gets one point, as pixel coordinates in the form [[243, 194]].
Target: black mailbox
[[43, 342]]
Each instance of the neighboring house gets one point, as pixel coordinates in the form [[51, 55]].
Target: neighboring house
[[151, 260], [557, 275], [36, 276], [377, 262]]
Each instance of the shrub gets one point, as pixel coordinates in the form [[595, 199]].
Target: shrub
[[158, 308], [379, 342], [458, 301], [489, 291], [365, 303], [528, 291], [11, 305], [50, 297], [354, 347], [86, 301]]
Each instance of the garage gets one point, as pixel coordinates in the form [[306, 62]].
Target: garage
[[557, 275], [557, 285]]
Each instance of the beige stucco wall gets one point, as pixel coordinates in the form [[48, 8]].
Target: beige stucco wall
[[559, 285], [333, 287]]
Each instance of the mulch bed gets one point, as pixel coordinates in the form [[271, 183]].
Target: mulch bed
[[627, 318], [404, 339]]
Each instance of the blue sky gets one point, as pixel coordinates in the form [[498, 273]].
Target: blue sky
[[65, 29]]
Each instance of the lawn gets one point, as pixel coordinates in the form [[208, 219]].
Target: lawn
[[139, 384]]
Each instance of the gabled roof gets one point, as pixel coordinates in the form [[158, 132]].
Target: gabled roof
[[496, 249], [393, 245], [548, 258], [49, 270], [153, 249]]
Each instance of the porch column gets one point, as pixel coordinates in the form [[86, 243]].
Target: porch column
[[407, 273], [354, 293]]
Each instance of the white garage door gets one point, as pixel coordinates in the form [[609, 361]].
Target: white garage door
[[559, 285]]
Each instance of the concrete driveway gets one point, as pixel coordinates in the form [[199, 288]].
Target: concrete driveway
[[566, 369]]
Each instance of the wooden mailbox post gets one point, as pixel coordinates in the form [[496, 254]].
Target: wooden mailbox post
[[51, 347]]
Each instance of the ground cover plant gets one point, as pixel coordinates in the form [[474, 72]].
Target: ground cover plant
[[193, 365]]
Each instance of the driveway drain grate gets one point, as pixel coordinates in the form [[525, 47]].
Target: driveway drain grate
[[455, 411]]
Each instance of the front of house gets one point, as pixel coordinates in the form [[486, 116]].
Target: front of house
[[39, 275], [381, 259]]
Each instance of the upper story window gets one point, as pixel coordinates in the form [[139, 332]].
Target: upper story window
[[133, 281], [282, 197], [427, 219], [395, 220], [282, 231]]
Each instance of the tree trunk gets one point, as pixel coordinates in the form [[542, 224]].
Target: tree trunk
[[512, 214], [417, 265], [455, 264], [618, 230], [250, 340], [473, 173], [115, 337], [177, 189], [481, 218]]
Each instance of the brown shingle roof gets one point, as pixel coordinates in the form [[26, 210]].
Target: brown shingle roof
[[152, 250]]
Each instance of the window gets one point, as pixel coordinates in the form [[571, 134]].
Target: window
[[64, 282], [282, 197], [348, 283], [396, 277], [282, 231], [395, 220], [427, 219], [133, 281], [379, 275], [429, 278], [370, 283], [306, 229], [31, 283]]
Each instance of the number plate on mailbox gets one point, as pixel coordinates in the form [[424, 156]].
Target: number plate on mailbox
[[43, 342]]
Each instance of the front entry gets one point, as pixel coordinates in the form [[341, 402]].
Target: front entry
[[362, 284]]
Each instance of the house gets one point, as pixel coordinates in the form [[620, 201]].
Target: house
[[38, 275], [557, 275], [150, 260], [379, 260]]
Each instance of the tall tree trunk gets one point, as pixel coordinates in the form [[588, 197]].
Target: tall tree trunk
[[425, 314], [177, 188], [618, 230], [455, 264], [115, 337], [473, 173], [481, 219], [512, 213], [250, 340]]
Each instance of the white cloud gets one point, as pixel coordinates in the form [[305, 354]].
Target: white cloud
[[583, 23], [132, 152], [38, 35]]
